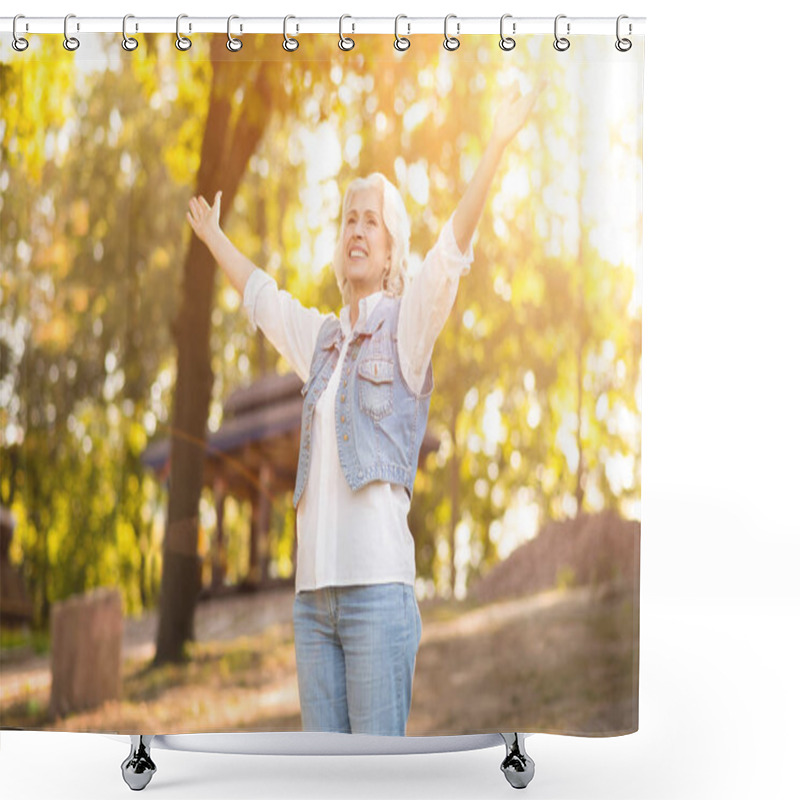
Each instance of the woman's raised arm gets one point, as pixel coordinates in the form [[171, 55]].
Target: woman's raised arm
[[430, 297], [291, 327], [204, 220], [508, 121]]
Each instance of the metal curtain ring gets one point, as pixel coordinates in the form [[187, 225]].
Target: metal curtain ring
[[19, 43], [182, 42], [345, 42], [400, 42], [623, 45], [506, 42], [128, 42], [450, 42], [70, 42], [289, 44], [233, 44], [561, 43]]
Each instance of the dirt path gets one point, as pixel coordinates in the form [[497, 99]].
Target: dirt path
[[220, 620], [559, 661]]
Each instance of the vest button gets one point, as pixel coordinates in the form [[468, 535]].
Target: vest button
[[342, 417], [345, 437], [343, 398]]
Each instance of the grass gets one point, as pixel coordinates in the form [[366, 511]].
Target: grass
[[566, 667], [17, 639]]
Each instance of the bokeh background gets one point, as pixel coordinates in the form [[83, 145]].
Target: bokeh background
[[525, 513]]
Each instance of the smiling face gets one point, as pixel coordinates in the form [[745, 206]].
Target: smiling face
[[366, 244]]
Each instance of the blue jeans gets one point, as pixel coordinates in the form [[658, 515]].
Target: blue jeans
[[356, 647]]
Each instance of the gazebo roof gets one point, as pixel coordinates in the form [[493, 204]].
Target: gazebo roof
[[260, 426]]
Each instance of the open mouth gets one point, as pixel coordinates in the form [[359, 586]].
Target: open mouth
[[357, 252]]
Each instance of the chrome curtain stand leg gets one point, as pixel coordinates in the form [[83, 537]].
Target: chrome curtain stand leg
[[138, 768], [517, 766]]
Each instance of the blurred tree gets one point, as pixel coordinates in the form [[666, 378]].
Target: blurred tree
[[536, 370]]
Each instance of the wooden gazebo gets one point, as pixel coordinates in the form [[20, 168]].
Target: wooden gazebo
[[252, 457], [15, 605]]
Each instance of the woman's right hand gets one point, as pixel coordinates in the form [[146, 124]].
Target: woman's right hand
[[203, 218]]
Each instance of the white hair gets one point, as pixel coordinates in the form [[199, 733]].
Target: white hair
[[395, 218]]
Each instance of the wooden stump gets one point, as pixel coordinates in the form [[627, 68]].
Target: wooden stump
[[86, 660]]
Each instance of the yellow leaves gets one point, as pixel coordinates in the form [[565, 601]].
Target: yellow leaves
[[34, 96], [146, 74], [79, 216], [100, 229], [99, 305], [137, 439], [182, 157], [528, 286], [55, 259], [177, 89], [160, 258], [55, 333], [79, 297]]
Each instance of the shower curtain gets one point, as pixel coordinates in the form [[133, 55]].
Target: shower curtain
[[152, 428]]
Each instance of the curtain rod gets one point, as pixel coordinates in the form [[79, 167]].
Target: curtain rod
[[406, 25]]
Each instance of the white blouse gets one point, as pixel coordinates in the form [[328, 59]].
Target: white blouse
[[347, 538]]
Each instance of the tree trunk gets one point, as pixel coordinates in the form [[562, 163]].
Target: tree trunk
[[455, 492], [228, 143]]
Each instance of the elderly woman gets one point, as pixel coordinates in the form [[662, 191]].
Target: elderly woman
[[367, 388]]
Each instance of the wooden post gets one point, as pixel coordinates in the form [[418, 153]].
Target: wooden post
[[264, 521], [219, 561], [252, 571]]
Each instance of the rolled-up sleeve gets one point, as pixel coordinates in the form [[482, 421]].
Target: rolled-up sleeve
[[452, 258], [291, 327], [257, 281], [427, 303]]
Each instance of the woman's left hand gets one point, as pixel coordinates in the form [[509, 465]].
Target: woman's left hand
[[513, 113]]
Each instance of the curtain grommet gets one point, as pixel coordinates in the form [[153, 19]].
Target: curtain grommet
[[345, 42], [623, 45], [128, 42], [290, 44], [401, 43], [70, 42], [233, 44], [183, 43], [451, 43], [561, 43], [506, 42], [19, 43]]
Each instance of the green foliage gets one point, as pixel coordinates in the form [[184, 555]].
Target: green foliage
[[537, 370], [12, 639]]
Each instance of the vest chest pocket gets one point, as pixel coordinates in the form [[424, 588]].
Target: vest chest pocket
[[375, 378]]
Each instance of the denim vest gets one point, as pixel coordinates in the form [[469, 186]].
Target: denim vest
[[380, 421]]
